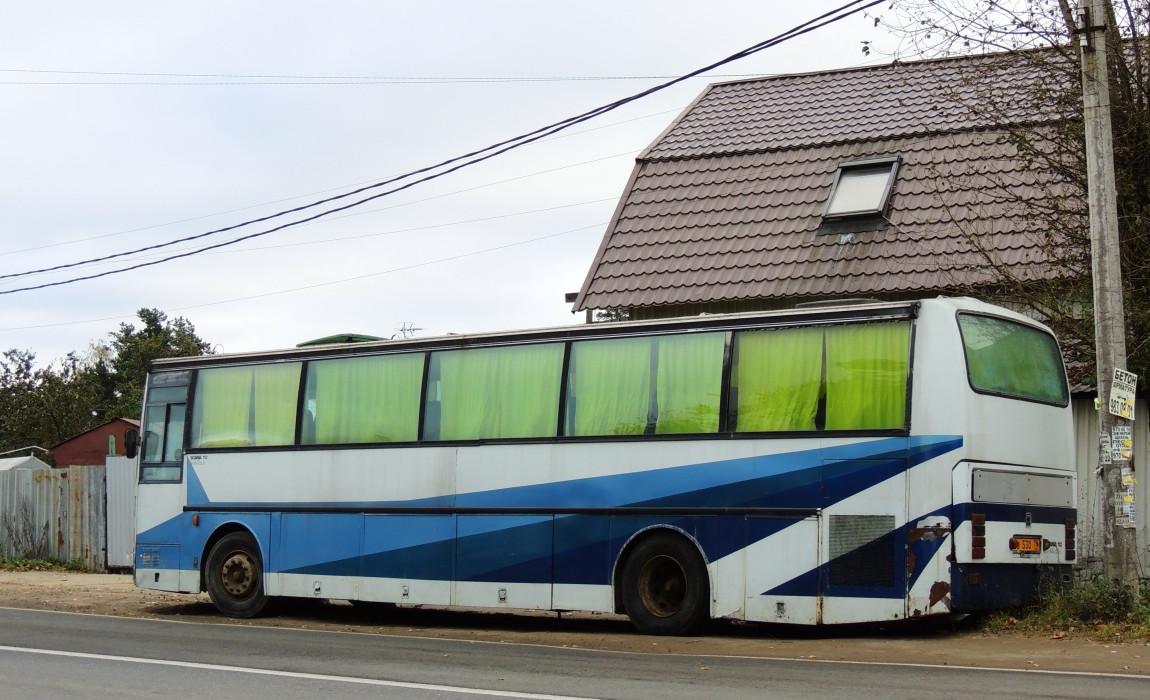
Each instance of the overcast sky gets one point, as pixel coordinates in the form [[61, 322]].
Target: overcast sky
[[130, 124]]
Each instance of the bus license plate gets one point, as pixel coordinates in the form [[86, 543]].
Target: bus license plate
[[1025, 544]]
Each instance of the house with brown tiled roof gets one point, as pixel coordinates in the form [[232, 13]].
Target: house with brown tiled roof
[[872, 182], [891, 182]]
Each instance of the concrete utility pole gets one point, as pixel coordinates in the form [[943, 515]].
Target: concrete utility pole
[[1120, 553]]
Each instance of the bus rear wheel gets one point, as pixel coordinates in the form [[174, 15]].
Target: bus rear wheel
[[666, 590], [234, 576]]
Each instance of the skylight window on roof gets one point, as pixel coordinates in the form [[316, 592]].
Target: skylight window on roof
[[861, 188]]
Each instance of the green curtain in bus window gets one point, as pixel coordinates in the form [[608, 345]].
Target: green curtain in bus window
[[246, 406], [1009, 358], [609, 387], [866, 376], [689, 382], [364, 399], [779, 377], [222, 409], [510, 392], [274, 398]]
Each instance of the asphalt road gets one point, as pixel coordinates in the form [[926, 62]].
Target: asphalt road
[[51, 654]]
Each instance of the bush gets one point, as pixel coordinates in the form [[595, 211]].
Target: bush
[[1096, 599], [1096, 606], [39, 564]]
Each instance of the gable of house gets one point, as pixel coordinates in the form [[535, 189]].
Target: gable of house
[[94, 446], [726, 208]]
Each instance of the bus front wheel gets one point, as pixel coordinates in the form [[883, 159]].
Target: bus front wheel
[[665, 586], [234, 576]]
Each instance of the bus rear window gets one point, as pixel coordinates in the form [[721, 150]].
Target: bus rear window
[[1011, 359]]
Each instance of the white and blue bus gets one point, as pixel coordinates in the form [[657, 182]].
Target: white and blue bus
[[832, 464]]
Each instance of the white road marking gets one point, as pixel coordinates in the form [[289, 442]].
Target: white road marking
[[952, 666], [293, 674]]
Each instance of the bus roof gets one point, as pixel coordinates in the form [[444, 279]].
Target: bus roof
[[815, 314]]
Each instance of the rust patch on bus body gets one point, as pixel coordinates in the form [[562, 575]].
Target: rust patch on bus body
[[927, 534], [940, 593]]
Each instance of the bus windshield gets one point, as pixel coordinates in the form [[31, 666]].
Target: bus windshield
[[1011, 359]]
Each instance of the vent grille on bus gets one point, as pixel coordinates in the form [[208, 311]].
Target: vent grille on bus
[[862, 550]]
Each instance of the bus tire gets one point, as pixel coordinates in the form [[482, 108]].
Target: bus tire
[[666, 589], [234, 576]]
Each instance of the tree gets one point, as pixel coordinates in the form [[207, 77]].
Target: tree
[[17, 386], [43, 407], [609, 315], [46, 406], [133, 349], [1041, 34]]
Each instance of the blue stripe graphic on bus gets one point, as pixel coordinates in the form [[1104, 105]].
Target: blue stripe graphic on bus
[[580, 548], [522, 548]]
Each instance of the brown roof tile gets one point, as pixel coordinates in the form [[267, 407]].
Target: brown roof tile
[[727, 203]]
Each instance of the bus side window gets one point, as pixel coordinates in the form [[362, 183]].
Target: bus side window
[[636, 386], [360, 400], [611, 382], [780, 378], [866, 374], [688, 383], [844, 377], [495, 392], [246, 406]]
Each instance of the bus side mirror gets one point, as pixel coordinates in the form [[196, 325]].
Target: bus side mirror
[[131, 443]]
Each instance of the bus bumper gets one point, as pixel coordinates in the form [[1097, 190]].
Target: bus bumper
[[994, 586]]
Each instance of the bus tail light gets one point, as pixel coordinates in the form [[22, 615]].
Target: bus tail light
[[978, 536], [1069, 539]]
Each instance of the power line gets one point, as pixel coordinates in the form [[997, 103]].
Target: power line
[[244, 79], [475, 156], [329, 283], [738, 192], [456, 163], [428, 227], [333, 189], [409, 203]]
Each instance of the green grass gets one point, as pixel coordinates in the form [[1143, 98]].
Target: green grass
[[1094, 608], [26, 564]]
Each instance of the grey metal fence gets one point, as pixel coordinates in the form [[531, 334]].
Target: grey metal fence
[[54, 513], [121, 508]]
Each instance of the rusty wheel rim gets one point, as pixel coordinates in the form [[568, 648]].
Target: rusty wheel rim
[[238, 575], [662, 586]]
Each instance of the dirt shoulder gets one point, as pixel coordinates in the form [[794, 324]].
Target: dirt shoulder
[[942, 643]]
